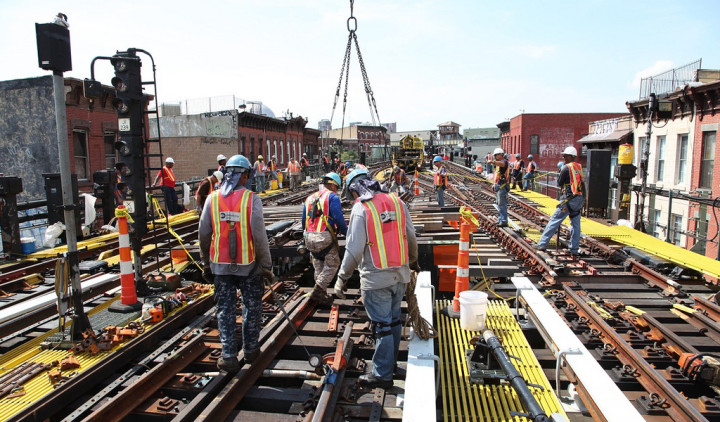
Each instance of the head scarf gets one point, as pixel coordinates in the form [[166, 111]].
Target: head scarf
[[367, 188], [231, 180]]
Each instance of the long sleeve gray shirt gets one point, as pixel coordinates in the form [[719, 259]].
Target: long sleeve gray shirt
[[257, 226], [358, 256]]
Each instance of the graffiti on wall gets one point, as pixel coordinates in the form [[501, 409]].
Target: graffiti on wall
[[554, 141]]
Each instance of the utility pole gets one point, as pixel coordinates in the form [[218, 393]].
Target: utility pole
[[640, 222], [53, 43]]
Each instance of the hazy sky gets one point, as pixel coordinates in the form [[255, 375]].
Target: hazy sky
[[474, 62]]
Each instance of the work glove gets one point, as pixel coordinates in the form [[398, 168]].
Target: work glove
[[207, 275], [340, 288], [267, 276], [415, 266]]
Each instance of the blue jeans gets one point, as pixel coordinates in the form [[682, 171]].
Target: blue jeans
[[575, 204], [252, 290], [171, 200], [383, 309], [259, 183], [440, 192], [529, 181], [501, 200], [488, 168]]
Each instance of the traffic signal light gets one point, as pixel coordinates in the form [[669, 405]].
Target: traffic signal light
[[130, 107]]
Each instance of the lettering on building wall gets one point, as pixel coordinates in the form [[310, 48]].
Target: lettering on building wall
[[554, 141], [217, 127]]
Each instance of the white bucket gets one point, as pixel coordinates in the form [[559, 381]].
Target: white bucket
[[473, 307]]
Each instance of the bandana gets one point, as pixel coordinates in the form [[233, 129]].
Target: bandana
[[367, 188], [231, 179]]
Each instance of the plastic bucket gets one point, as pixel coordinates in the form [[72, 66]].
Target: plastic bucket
[[273, 184], [28, 245], [473, 307]]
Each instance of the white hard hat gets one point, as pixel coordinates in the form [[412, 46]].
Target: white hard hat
[[305, 154], [218, 175], [170, 160], [570, 151], [221, 157], [498, 151]]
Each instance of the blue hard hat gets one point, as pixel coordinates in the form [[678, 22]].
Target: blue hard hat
[[354, 176], [332, 177], [560, 164], [238, 161], [437, 158], [530, 156], [517, 155], [347, 163]]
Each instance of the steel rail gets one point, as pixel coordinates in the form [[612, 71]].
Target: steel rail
[[712, 310], [679, 407]]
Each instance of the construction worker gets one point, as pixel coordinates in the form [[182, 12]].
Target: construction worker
[[381, 244], [571, 202], [167, 184], [272, 169], [259, 168], [322, 220], [440, 180], [517, 169], [221, 159], [304, 166], [530, 171], [326, 163], [478, 167], [501, 185], [206, 187], [294, 173], [235, 253], [398, 179], [489, 163]]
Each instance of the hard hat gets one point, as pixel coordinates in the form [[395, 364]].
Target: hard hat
[[218, 175], [347, 163], [332, 177], [221, 157], [274, 157], [530, 156], [570, 151], [353, 177], [396, 169], [498, 151], [517, 155], [170, 160], [507, 156], [560, 164], [238, 162], [437, 158], [260, 157], [304, 154]]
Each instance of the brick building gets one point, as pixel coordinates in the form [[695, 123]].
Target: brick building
[[28, 134], [546, 135], [194, 141], [359, 137]]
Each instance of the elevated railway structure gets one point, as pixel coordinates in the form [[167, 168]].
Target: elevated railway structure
[[596, 337]]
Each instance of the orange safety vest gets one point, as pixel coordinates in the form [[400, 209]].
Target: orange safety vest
[[499, 176], [478, 167], [293, 167], [317, 224], [272, 166], [342, 169], [530, 167], [167, 177], [399, 176], [233, 211], [386, 235], [439, 179], [516, 165], [261, 165], [326, 160], [212, 188], [576, 178], [489, 158]]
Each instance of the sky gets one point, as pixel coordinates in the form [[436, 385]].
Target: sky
[[475, 62]]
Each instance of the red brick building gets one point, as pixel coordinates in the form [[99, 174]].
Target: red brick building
[[546, 135]]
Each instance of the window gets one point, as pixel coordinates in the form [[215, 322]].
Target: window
[[282, 151], [275, 147], [534, 144], [267, 159], [708, 159], [682, 158], [656, 223], [660, 153], [242, 144], [677, 229], [110, 151], [80, 148], [252, 148], [613, 162]]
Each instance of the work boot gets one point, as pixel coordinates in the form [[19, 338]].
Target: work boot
[[538, 247], [320, 297], [230, 365], [369, 381], [250, 357]]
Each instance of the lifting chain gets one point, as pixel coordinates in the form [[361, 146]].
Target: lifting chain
[[345, 71]]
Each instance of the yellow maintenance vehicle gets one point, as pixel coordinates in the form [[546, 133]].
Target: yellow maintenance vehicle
[[409, 155]]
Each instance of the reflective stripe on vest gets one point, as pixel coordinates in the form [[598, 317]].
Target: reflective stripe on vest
[[317, 224], [399, 176], [478, 167], [293, 168], [234, 208], [386, 231], [517, 165], [212, 188], [272, 166], [440, 180], [499, 176], [170, 174], [576, 177], [530, 167]]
